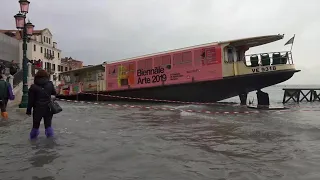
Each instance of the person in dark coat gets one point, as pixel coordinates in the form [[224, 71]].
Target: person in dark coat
[[13, 68], [2, 67], [6, 94], [39, 98]]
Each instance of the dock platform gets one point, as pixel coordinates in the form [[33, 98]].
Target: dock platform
[[300, 94]]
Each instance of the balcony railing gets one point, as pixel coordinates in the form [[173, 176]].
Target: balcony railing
[[48, 56], [50, 70], [267, 59]]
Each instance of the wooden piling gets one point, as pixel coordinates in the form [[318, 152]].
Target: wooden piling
[[300, 94]]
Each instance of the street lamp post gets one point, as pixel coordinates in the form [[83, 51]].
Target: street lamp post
[[27, 30]]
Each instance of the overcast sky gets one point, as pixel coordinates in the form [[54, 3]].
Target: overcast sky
[[105, 30]]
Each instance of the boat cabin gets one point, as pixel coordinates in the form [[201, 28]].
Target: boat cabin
[[237, 62], [87, 79]]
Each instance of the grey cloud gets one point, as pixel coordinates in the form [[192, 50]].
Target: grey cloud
[[106, 30]]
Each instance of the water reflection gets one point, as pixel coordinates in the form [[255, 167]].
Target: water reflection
[[45, 152], [43, 157]]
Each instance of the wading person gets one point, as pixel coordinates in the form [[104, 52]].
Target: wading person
[[39, 99], [6, 94], [13, 68]]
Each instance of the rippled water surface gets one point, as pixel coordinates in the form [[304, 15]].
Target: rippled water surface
[[101, 142]]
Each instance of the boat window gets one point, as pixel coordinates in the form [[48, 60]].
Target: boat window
[[141, 64], [77, 78], [198, 56], [182, 59], [177, 59], [238, 55], [113, 71], [157, 61], [145, 64], [149, 63], [166, 61], [230, 55], [187, 58]]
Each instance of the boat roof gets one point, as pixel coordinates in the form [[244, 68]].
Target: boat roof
[[94, 67], [255, 41], [249, 42]]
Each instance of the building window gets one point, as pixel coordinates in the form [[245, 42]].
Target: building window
[[54, 67], [59, 77], [58, 55], [41, 50], [34, 47], [53, 53], [44, 39], [49, 41], [66, 69]]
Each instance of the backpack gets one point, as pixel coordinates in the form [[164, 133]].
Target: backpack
[[6, 91]]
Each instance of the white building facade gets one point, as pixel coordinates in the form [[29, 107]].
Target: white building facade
[[43, 47]]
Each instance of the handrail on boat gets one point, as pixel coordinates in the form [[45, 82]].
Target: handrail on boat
[[266, 59]]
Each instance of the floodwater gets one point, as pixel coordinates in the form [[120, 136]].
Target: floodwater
[[98, 142]]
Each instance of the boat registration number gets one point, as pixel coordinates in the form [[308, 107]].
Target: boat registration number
[[264, 69]]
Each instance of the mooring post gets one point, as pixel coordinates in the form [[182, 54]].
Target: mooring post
[[243, 98]]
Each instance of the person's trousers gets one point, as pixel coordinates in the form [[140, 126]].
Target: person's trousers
[[3, 105], [38, 114]]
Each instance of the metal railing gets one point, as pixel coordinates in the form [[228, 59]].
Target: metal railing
[[50, 70], [49, 56], [267, 59], [17, 78]]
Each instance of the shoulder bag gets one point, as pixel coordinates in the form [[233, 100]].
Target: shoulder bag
[[54, 106]]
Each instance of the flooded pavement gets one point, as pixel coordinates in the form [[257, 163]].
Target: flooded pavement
[[100, 142]]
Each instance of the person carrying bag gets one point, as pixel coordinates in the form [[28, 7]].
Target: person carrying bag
[[42, 104]]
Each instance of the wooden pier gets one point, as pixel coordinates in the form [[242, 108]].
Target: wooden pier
[[300, 94]]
